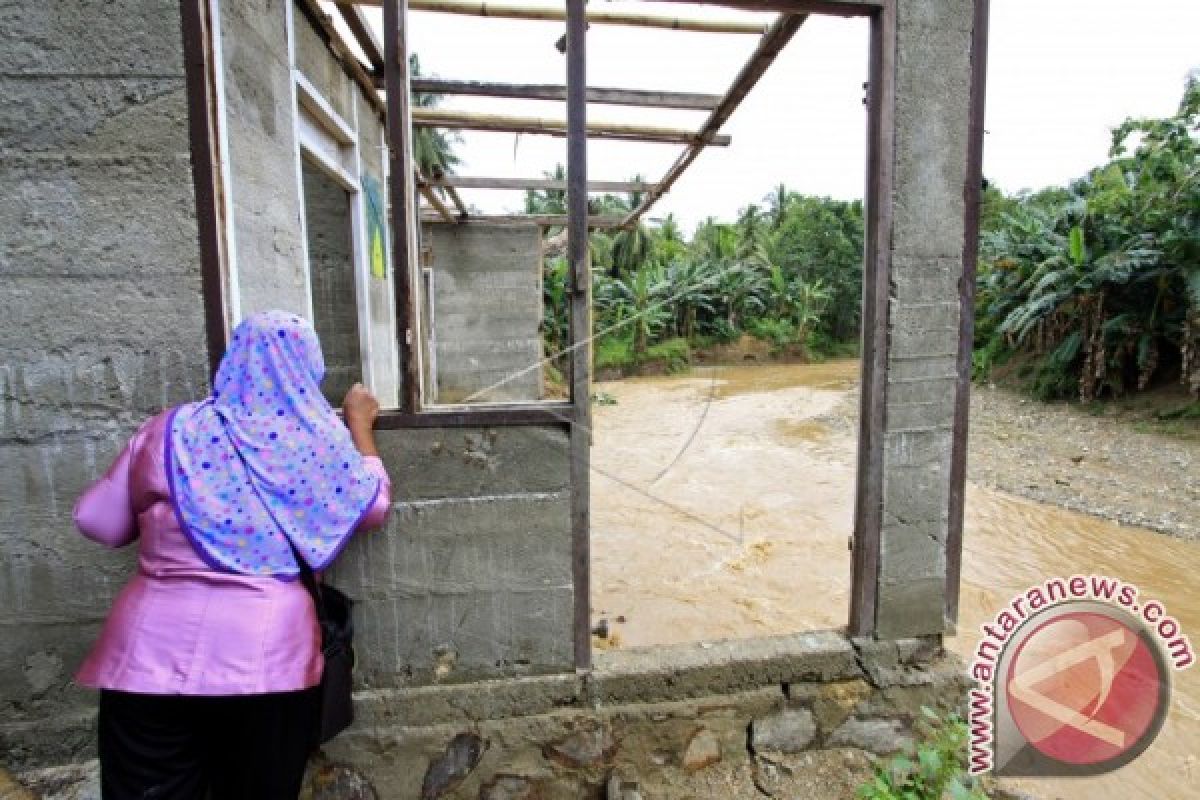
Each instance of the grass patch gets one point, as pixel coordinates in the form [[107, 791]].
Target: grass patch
[[677, 354], [616, 352]]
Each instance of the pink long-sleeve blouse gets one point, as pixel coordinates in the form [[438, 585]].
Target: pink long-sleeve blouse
[[179, 626]]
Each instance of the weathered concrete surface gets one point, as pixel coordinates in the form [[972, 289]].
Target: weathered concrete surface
[[472, 578], [487, 310], [267, 209], [331, 268], [558, 737], [932, 63], [102, 318], [574, 739]]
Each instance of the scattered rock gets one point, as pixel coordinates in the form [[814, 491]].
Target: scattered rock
[[587, 747], [328, 781], [70, 782], [703, 749], [10, 789], [509, 787], [879, 736], [623, 785], [788, 731], [601, 629], [449, 769]]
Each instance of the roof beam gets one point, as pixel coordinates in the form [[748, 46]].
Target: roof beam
[[536, 184], [688, 101], [545, 220], [466, 120], [594, 16], [356, 21], [838, 8], [781, 32]]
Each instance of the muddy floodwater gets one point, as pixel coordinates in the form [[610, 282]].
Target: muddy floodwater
[[722, 503]]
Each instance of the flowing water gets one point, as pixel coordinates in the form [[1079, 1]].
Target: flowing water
[[722, 505]]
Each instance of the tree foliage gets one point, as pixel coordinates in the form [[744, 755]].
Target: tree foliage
[[1097, 285]]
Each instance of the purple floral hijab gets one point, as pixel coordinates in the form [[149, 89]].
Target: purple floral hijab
[[264, 460]]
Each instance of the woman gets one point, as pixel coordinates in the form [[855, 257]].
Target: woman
[[207, 663]]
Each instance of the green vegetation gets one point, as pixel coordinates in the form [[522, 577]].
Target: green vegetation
[[934, 769], [1090, 291], [1093, 290], [788, 273]]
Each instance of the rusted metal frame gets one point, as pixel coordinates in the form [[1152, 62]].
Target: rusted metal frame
[[687, 101], [594, 16], [833, 8], [557, 414], [467, 120], [545, 220], [972, 198], [580, 329], [536, 184], [779, 34], [199, 66], [868, 495], [357, 22], [403, 196]]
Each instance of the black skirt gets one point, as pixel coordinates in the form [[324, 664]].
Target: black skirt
[[174, 747]]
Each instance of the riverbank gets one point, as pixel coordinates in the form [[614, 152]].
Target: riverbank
[[1106, 461], [722, 501]]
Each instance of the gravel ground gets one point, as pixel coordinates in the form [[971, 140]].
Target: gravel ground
[[1112, 465]]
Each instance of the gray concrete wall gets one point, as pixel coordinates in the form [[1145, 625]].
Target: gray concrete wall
[[487, 310], [931, 116], [331, 263], [101, 318], [259, 119], [472, 577]]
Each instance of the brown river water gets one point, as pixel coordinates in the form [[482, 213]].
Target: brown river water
[[722, 505]]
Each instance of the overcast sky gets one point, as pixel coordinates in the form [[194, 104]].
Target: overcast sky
[[1061, 74]]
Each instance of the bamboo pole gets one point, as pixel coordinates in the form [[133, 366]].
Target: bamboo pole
[[361, 28], [537, 184], [545, 220], [467, 120], [688, 101], [594, 16]]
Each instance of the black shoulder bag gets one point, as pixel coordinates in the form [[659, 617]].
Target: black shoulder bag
[[337, 646]]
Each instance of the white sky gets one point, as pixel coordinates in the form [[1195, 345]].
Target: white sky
[[1061, 74]]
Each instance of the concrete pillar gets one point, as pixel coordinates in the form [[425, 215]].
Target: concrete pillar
[[932, 88]]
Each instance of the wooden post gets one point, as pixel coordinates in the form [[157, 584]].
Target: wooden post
[[403, 197], [577, 256], [868, 494], [972, 192]]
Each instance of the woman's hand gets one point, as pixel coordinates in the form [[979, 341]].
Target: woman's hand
[[359, 409]]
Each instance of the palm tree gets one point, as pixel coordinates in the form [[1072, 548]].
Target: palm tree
[[777, 204], [433, 148]]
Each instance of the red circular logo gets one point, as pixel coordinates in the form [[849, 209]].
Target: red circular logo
[[1086, 688]]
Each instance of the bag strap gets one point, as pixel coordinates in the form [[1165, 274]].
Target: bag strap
[[308, 578]]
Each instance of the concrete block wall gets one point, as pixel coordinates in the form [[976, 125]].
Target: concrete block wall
[[101, 317], [487, 310], [472, 577], [932, 63], [331, 263], [259, 120]]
